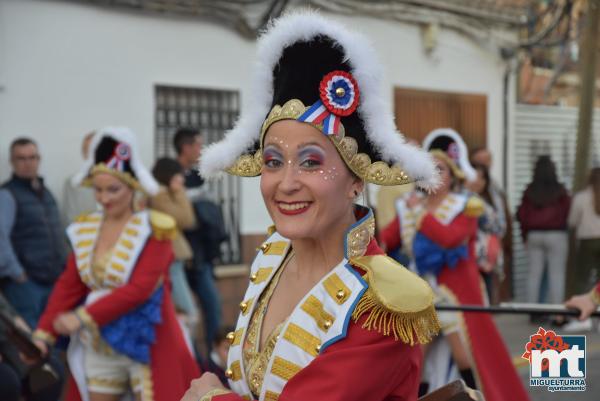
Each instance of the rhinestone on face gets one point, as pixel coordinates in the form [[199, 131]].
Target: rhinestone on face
[[340, 92]]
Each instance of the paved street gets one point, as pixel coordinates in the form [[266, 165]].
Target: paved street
[[516, 331]]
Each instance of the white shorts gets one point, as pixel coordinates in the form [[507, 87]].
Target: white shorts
[[111, 372]]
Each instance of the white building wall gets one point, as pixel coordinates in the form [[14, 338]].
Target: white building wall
[[67, 68]]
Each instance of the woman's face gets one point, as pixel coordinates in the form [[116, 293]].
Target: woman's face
[[307, 188], [478, 185], [114, 195], [445, 175]]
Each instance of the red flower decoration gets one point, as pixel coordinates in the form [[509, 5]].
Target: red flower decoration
[[544, 340]]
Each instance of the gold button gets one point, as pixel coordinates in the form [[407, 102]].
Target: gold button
[[243, 306], [340, 92], [340, 294], [327, 324], [230, 337], [265, 247], [253, 277], [229, 373], [318, 348]]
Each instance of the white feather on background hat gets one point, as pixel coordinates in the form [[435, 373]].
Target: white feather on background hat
[[463, 157], [373, 109], [124, 135]]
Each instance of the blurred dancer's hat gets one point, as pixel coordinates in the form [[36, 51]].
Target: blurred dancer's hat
[[448, 145], [113, 150], [314, 70]]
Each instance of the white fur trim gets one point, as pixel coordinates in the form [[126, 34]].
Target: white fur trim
[[463, 157], [366, 69], [121, 134]]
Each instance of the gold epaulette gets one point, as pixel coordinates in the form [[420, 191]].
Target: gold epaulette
[[163, 226], [397, 301], [474, 207]]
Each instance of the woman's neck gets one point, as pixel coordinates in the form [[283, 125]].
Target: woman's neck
[[315, 257], [119, 218], [434, 200]]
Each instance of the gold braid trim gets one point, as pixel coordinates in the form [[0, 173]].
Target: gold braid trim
[[44, 336], [397, 301], [378, 172], [404, 326], [126, 177], [213, 393]]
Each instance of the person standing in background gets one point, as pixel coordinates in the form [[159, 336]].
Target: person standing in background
[[32, 244], [482, 156], [172, 200], [78, 200], [188, 145], [490, 231], [543, 218], [584, 217]]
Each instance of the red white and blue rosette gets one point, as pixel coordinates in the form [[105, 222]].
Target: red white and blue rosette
[[121, 154], [339, 95]]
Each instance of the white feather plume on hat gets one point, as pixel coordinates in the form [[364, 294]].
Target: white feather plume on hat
[[373, 109]]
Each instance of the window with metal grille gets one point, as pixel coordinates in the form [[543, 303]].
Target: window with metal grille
[[212, 112]]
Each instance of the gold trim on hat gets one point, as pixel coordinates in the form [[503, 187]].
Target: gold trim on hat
[[379, 172], [458, 173], [126, 177]]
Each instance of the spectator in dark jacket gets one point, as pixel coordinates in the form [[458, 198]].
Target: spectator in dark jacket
[[543, 217], [188, 144], [32, 245]]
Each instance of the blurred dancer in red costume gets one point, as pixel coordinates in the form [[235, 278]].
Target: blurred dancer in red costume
[[113, 298]]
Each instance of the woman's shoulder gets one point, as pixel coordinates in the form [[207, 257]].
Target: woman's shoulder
[[397, 302], [163, 226]]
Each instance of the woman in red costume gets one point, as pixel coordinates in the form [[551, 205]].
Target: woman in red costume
[[113, 298], [327, 316], [442, 228]]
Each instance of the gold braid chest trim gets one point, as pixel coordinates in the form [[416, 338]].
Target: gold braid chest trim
[[256, 361]]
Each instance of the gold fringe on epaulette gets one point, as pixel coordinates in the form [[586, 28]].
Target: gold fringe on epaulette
[[405, 326]]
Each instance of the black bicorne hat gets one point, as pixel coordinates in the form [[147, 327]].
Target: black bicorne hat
[[313, 70]]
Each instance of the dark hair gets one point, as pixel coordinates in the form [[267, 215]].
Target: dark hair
[[594, 183], [485, 192], [21, 141], [545, 188], [164, 169], [184, 136]]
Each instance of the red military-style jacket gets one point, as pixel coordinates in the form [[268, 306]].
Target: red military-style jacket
[[172, 366]]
